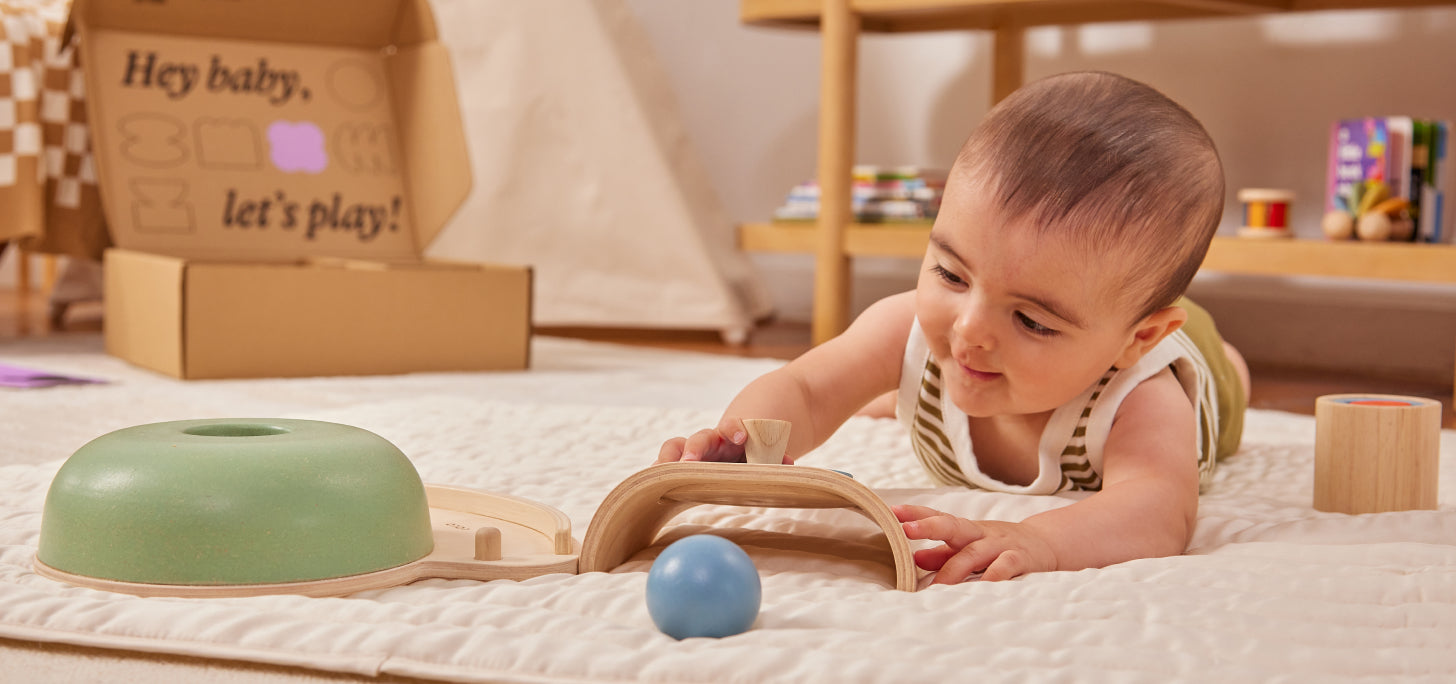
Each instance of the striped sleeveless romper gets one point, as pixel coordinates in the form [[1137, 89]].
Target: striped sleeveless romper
[[1071, 445]]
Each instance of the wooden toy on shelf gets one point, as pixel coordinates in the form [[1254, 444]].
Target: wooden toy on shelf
[[1266, 213], [1376, 453], [1369, 212]]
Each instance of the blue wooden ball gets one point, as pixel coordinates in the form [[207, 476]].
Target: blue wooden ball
[[703, 586]]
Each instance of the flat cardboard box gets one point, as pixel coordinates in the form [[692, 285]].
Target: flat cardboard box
[[206, 319], [271, 171]]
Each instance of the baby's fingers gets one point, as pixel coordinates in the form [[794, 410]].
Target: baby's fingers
[[1010, 564], [672, 450], [955, 532], [699, 445], [933, 559], [709, 445], [970, 562], [909, 512], [733, 430]]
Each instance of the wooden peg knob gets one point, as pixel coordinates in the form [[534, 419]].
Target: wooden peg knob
[[768, 440], [487, 544]]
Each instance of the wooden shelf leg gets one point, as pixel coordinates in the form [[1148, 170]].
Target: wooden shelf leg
[[49, 271], [839, 38], [22, 272], [1008, 61]]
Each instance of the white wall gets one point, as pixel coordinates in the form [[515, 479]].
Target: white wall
[[1266, 88]]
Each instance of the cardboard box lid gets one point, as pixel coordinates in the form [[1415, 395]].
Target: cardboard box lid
[[271, 130]]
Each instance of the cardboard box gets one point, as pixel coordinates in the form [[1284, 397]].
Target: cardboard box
[[271, 171]]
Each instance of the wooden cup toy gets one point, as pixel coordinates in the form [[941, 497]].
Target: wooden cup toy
[[1376, 453], [1266, 213]]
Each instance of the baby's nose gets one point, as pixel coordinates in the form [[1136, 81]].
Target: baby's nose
[[972, 327]]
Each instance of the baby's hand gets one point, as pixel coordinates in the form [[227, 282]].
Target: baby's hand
[[703, 445], [723, 443], [998, 550]]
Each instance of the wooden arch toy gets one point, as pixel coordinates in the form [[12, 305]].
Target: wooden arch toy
[[633, 513]]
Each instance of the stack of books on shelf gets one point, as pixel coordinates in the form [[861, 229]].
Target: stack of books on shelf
[[881, 194], [1378, 161]]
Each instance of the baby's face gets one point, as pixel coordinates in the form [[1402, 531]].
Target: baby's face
[[1021, 324]]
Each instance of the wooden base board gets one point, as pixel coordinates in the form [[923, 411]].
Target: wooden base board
[[534, 539]]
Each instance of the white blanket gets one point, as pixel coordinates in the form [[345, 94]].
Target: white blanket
[[1270, 590]]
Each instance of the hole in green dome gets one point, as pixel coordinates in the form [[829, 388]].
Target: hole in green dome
[[235, 430]]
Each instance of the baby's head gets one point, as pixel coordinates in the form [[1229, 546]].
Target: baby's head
[[1112, 165]]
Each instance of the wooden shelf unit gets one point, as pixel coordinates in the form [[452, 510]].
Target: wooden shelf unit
[[860, 239], [1395, 261], [835, 238], [1400, 261]]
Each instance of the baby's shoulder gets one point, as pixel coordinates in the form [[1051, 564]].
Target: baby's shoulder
[[1160, 397]]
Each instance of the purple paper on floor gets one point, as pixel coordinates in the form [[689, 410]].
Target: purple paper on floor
[[30, 378]]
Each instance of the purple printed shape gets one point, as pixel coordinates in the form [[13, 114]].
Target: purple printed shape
[[26, 378], [297, 146]]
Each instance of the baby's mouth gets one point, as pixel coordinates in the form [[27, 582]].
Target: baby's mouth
[[983, 376]]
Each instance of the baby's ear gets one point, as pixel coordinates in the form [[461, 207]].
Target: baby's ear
[[1148, 332]]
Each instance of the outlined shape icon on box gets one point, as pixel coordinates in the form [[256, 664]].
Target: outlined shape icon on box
[[230, 144], [355, 84], [365, 147], [153, 140], [160, 205]]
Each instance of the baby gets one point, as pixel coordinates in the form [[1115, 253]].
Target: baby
[[1046, 346]]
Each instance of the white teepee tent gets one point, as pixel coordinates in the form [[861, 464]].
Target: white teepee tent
[[583, 170]]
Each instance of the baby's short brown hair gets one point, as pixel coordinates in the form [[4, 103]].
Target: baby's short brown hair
[[1111, 163]]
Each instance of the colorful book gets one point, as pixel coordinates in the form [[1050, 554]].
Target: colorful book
[[1399, 131], [1359, 152], [1408, 155], [1433, 220], [878, 194]]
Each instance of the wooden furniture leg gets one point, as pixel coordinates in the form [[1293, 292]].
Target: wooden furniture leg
[[1008, 68], [49, 271], [22, 272], [839, 38]]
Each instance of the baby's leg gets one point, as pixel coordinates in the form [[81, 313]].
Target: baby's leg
[[1240, 365]]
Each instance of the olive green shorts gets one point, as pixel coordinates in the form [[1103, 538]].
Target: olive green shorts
[[1227, 385]]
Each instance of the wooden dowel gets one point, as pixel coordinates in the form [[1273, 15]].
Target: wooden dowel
[[487, 544]]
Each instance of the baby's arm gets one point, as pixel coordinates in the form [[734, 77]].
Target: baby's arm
[[816, 392], [1146, 508]]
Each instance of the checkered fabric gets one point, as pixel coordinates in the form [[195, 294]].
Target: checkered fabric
[[47, 174]]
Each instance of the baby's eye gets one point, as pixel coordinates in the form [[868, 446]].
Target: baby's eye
[[946, 275], [1032, 326]]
